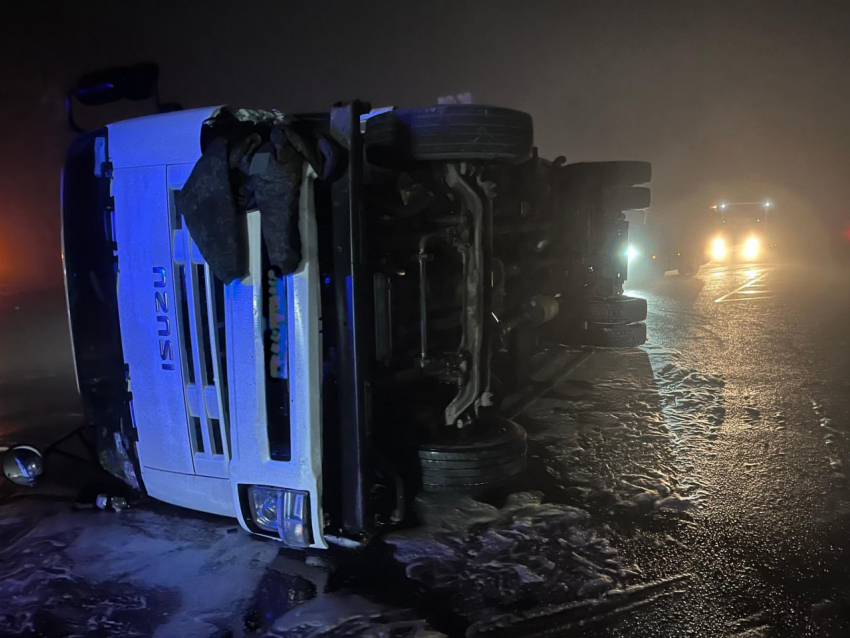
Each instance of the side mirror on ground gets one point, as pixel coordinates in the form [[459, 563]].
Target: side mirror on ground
[[23, 464]]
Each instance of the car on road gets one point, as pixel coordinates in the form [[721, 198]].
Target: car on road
[[303, 321]]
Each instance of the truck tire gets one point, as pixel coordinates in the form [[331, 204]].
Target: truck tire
[[484, 460], [448, 132], [619, 310], [595, 175], [628, 335]]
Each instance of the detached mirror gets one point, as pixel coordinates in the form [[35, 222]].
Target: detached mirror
[[23, 464]]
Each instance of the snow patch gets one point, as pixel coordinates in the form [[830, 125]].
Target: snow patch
[[830, 436], [525, 554], [335, 615], [633, 440], [137, 573]]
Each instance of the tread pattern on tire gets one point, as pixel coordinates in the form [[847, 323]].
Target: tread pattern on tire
[[621, 310], [628, 335], [458, 464], [480, 463], [448, 132], [475, 478]]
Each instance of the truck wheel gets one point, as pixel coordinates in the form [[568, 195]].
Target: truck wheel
[[600, 335], [485, 459], [595, 175], [619, 310], [448, 132]]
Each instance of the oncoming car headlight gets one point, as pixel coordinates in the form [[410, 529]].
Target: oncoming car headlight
[[718, 248], [751, 248], [282, 512], [632, 253]]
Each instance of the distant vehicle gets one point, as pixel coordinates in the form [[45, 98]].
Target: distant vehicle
[[744, 231], [302, 322], [727, 232]]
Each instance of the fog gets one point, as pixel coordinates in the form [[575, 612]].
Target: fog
[[727, 99], [685, 444]]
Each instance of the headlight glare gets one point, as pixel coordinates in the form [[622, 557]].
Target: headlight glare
[[751, 248], [718, 248]]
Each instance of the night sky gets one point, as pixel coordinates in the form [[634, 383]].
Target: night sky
[[729, 100]]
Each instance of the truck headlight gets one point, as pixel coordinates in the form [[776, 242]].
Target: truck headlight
[[718, 248], [632, 253], [751, 248], [282, 512]]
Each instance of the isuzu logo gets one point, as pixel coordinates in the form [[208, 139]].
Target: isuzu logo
[[163, 323]]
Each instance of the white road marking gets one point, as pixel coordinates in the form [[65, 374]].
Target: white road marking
[[748, 291], [744, 299]]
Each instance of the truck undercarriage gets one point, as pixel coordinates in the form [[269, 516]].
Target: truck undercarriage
[[476, 261]]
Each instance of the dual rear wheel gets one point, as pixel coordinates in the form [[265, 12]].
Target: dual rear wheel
[[614, 323]]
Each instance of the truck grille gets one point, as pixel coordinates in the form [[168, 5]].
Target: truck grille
[[203, 350]]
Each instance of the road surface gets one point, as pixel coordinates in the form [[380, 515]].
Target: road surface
[[693, 487], [768, 551]]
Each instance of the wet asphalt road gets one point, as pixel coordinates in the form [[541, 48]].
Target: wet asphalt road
[[694, 487], [768, 552]]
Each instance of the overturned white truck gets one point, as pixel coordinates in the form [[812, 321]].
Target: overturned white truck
[[301, 322]]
